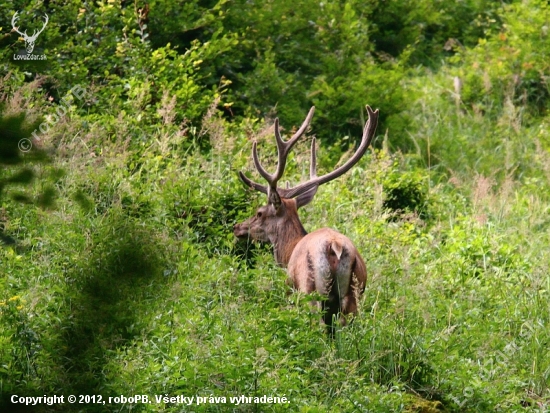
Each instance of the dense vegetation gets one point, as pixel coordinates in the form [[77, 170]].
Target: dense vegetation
[[119, 271]]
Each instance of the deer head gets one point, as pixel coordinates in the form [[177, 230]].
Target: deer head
[[29, 40]]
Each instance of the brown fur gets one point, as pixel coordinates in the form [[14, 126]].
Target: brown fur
[[323, 260]]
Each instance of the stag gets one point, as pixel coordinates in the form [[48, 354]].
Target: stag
[[323, 261], [29, 40]]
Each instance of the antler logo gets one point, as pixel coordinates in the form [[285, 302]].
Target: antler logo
[[29, 40]]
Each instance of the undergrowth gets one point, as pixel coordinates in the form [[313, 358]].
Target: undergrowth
[[120, 274]]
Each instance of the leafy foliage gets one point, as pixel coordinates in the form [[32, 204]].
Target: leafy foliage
[[120, 274]]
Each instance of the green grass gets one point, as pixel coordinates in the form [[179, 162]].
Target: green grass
[[132, 282]]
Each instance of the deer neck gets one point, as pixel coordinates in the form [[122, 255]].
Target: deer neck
[[288, 234]]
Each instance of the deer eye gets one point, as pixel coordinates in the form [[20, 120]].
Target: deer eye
[[259, 214]]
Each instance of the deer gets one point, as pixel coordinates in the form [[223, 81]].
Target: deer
[[322, 261], [29, 40]]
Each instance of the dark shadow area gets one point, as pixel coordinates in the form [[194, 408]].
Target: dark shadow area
[[123, 272], [247, 252], [17, 156], [106, 293], [16, 142]]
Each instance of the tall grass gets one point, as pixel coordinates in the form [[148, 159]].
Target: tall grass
[[133, 283]]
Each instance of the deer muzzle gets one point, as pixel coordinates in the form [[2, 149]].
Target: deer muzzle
[[241, 230]]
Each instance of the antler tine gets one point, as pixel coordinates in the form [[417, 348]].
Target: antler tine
[[252, 184], [368, 134], [37, 32], [282, 153], [13, 23], [290, 143], [283, 148], [313, 162], [267, 176]]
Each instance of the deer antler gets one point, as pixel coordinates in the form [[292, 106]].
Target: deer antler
[[315, 181], [35, 34], [29, 40], [284, 147], [14, 21]]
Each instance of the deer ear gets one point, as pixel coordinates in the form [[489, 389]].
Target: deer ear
[[306, 197]]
